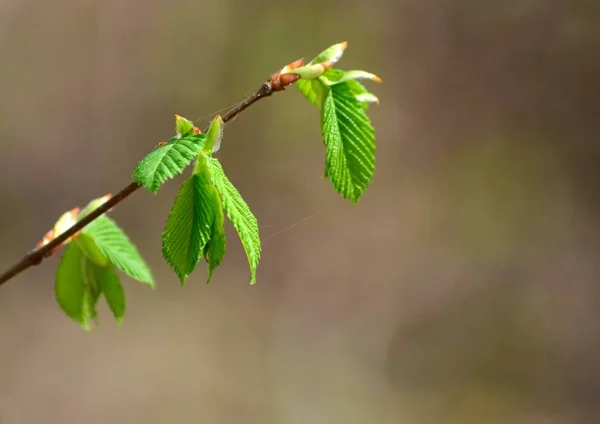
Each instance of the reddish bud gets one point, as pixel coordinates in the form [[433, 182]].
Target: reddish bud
[[288, 79]]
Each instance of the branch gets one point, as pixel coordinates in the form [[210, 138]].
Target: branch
[[37, 255]]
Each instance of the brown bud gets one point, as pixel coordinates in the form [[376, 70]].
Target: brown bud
[[288, 79]]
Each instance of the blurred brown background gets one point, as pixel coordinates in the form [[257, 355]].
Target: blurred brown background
[[462, 289]]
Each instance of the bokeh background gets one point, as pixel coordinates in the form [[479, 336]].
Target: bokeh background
[[463, 288]]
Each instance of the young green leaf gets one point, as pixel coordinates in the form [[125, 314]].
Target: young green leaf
[[239, 214], [167, 160], [76, 293], [312, 90], [214, 251], [183, 126], [114, 244], [214, 135], [92, 289], [331, 54], [336, 76], [349, 142], [69, 284], [87, 245], [189, 225], [109, 284], [315, 90]]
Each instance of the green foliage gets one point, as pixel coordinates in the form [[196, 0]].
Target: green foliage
[[79, 284], [195, 226], [312, 90], [115, 246], [330, 54], [69, 288], [240, 215], [167, 160], [347, 132], [183, 126], [190, 224], [88, 246], [350, 142], [214, 135], [214, 251], [109, 284]]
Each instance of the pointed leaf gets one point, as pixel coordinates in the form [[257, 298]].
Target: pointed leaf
[[349, 142], [109, 284], [183, 126], [92, 290], [167, 160], [214, 251], [189, 225], [356, 75], [69, 283], [87, 245], [114, 244], [240, 215], [312, 90], [75, 292], [214, 135], [335, 76], [331, 54]]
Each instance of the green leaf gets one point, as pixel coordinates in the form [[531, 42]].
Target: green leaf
[[214, 135], [69, 283], [114, 244], [349, 142], [92, 289], [240, 215], [189, 225], [312, 90], [86, 243], [214, 251], [330, 54], [183, 126], [360, 92], [75, 291], [167, 160], [110, 285]]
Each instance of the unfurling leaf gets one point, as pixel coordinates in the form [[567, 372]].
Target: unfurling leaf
[[331, 54], [214, 251], [167, 160], [239, 214], [114, 244], [109, 284], [349, 142], [190, 224], [75, 287], [69, 290], [183, 126], [315, 90], [214, 135], [88, 246]]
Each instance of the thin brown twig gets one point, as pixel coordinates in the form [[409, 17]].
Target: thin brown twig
[[37, 255]]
